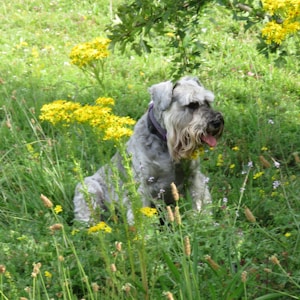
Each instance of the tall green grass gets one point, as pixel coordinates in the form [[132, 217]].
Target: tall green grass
[[230, 253]]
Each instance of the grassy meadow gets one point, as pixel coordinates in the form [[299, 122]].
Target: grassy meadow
[[248, 248]]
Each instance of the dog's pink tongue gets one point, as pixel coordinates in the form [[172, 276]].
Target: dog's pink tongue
[[209, 140]]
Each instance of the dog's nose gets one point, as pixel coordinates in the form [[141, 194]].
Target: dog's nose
[[216, 123]]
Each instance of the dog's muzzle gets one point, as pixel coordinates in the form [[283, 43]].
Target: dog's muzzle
[[214, 130]]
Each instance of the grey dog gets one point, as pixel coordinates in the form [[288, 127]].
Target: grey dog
[[178, 121]]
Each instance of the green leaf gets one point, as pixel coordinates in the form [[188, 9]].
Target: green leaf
[[171, 266]]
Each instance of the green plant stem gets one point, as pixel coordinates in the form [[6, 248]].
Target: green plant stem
[[1, 289], [143, 264], [245, 291]]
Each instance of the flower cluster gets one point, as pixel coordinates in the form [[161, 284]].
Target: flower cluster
[[98, 116], [85, 54], [286, 19], [102, 226], [220, 160], [148, 211], [198, 152]]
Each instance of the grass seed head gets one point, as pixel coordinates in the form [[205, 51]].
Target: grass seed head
[[2, 269], [170, 214], [47, 202], [244, 276], [36, 269], [56, 227], [126, 287], [296, 157], [113, 268], [212, 263], [249, 215], [267, 270], [118, 246], [95, 286], [174, 191], [274, 260], [264, 162], [61, 258], [177, 216], [169, 295], [187, 246]]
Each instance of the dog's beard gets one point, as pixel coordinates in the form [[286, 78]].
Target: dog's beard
[[183, 140], [183, 143]]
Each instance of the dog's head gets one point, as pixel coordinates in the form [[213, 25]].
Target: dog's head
[[184, 111]]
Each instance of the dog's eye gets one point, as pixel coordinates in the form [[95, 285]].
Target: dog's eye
[[193, 105]]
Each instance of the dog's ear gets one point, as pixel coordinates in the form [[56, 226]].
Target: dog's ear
[[209, 96], [161, 94]]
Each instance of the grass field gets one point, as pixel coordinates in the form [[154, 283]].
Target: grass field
[[248, 248]]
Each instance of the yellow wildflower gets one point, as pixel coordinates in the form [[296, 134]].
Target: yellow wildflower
[[102, 226], [85, 54], [58, 209], [220, 160], [257, 175], [74, 231], [98, 116], [48, 274], [170, 34], [103, 101], [35, 52], [148, 211], [198, 152], [289, 11]]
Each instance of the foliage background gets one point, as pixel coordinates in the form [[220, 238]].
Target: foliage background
[[257, 89]]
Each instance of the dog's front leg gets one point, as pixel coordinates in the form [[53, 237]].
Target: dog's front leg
[[199, 191], [128, 205], [88, 196]]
